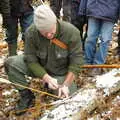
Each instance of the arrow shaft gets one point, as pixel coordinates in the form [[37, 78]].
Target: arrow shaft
[[101, 66]]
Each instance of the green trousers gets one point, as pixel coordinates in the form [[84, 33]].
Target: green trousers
[[17, 69]]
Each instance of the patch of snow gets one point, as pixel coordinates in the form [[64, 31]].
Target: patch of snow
[[71, 106], [108, 80], [7, 93], [66, 108]]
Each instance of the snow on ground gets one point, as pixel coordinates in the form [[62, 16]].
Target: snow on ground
[[109, 79], [68, 107]]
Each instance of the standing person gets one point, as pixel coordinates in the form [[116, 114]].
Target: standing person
[[117, 49], [102, 15], [5, 11], [56, 6], [78, 20], [119, 42], [21, 12], [55, 63]]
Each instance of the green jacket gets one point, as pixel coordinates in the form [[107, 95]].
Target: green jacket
[[42, 56]]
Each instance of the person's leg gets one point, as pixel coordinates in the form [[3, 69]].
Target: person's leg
[[16, 70], [118, 48], [90, 44], [77, 20], [67, 10], [56, 7], [83, 29], [74, 13], [105, 38], [119, 39], [12, 34], [25, 22]]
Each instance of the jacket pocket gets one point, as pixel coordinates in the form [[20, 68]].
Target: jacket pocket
[[62, 58], [42, 57]]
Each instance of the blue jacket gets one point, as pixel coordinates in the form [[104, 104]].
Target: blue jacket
[[101, 9]]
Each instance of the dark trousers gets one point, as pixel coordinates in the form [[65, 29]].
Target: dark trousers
[[78, 21], [25, 21], [119, 39], [56, 6]]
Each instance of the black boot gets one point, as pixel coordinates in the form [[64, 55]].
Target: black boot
[[12, 49], [26, 101]]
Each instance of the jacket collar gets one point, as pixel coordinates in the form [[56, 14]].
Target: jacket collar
[[57, 29]]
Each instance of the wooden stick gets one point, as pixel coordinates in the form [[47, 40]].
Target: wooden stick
[[35, 90], [101, 66], [25, 87]]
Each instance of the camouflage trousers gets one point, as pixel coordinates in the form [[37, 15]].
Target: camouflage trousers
[[17, 70]]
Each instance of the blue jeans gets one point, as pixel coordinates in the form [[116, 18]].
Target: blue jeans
[[25, 21], [95, 53]]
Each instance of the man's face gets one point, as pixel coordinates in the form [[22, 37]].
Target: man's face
[[49, 34]]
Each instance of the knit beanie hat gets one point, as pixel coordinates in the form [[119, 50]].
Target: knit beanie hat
[[44, 18]]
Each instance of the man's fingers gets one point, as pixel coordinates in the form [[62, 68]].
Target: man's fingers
[[54, 84], [66, 95], [51, 86], [59, 92], [62, 94]]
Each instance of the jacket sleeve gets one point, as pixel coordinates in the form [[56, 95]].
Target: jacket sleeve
[[82, 7], [30, 55]]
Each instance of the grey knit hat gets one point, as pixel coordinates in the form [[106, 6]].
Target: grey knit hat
[[44, 18]]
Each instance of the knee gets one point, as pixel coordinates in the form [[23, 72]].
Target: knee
[[7, 63], [90, 42]]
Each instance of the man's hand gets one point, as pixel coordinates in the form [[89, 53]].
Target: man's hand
[[51, 86], [52, 82], [63, 91]]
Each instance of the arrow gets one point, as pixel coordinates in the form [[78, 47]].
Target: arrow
[[101, 66]]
